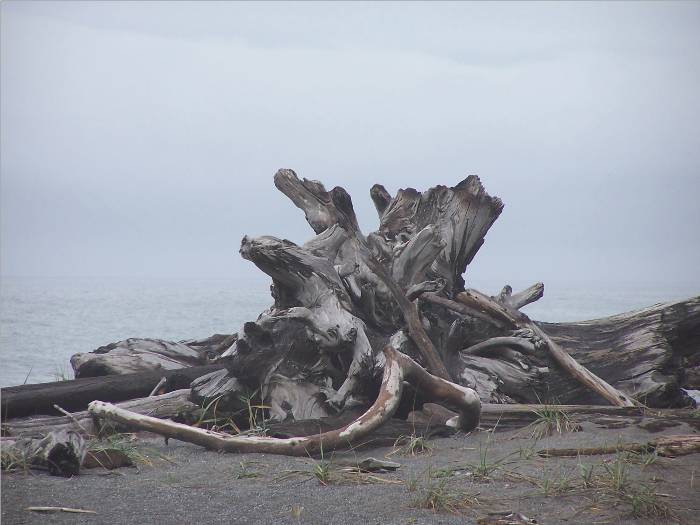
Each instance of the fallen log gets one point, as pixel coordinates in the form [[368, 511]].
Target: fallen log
[[646, 353], [397, 368], [61, 452], [140, 355], [173, 405], [519, 320], [74, 395], [667, 446]]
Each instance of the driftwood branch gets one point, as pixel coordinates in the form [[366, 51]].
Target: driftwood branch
[[172, 406], [518, 319], [667, 446], [520, 299], [487, 347], [397, 369]]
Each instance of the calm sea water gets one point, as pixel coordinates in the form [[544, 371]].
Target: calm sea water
[[44, 321]]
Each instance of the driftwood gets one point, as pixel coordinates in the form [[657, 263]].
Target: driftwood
[[140, 355], [74, 395], [667, 446], [644, 353], [343, 297], [504, 309], [61, 452], [397, 368], [173, 405]]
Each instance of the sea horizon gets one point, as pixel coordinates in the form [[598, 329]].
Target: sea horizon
[[44, 320]]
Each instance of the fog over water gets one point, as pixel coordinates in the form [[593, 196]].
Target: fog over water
[[139, 140]]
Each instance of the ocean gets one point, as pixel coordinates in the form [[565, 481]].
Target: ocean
[[43, 321]]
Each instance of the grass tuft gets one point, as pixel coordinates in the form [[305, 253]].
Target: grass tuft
[[552, 420], [411, 446], [438, 496]]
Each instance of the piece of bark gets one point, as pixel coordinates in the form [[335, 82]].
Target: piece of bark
[[173, 405], [61, 452], [75, 395]]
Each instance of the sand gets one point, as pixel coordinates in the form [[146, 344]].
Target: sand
[[185, 484]]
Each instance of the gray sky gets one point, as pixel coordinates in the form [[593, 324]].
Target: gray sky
[[140, 139]]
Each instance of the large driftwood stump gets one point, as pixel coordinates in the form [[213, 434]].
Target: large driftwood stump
[[359, 320], [342, 296]]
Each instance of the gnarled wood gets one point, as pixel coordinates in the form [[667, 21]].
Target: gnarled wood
[[397, 367], [563, 359], [61, 452]]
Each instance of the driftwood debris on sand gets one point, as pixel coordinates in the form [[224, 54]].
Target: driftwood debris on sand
[[381, 323]]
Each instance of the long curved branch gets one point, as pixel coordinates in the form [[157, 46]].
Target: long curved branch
[[398, 367]]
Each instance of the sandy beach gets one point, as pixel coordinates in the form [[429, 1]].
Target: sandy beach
[[464, 477]]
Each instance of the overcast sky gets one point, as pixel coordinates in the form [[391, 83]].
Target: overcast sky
[[140, 139]]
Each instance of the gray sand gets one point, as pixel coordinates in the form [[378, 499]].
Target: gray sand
[[187, 484]]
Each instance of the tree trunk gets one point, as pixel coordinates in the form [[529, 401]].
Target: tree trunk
[[27, 400], [173, 405]]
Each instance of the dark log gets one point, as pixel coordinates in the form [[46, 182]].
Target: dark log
[[27, 400], [61, 452], [173, 405], [385, 436]]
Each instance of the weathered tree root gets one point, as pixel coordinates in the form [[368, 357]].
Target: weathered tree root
[[517, 319], [398, 368]]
